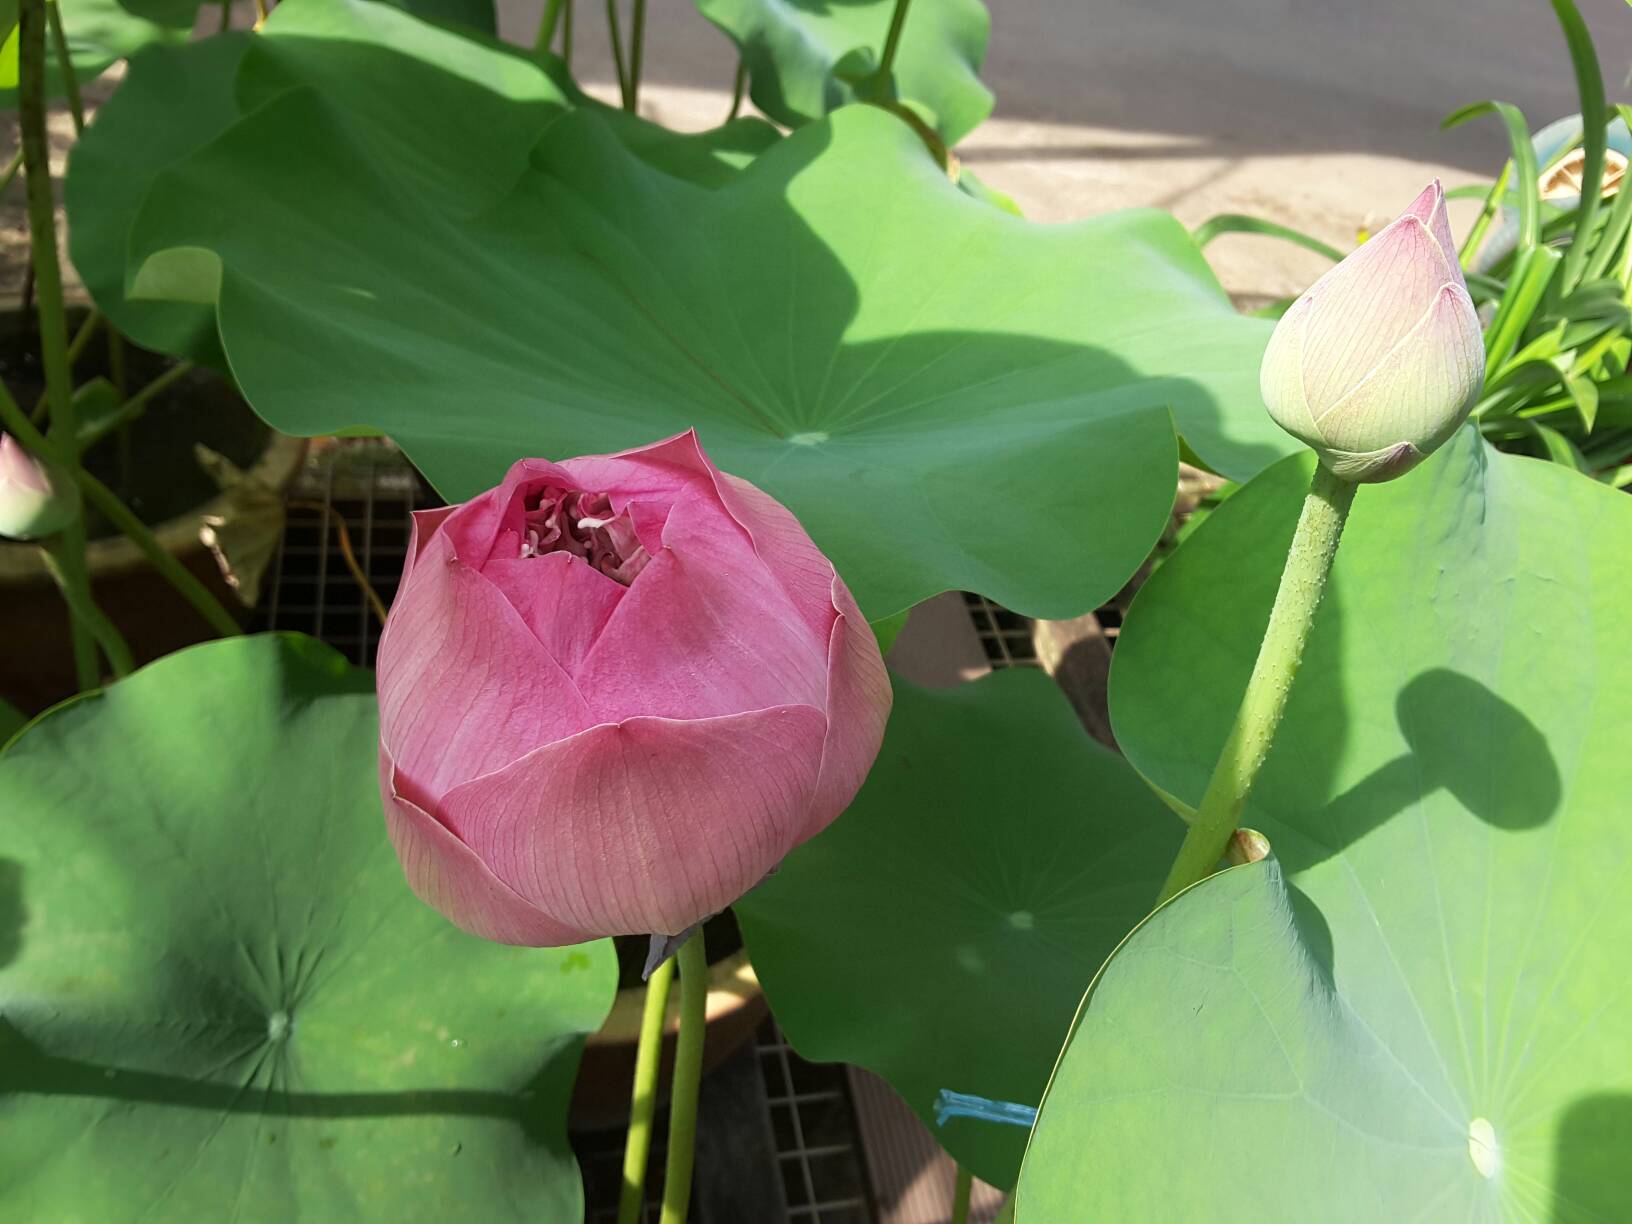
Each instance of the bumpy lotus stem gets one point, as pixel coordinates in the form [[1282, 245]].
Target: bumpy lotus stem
[[1303, 582]]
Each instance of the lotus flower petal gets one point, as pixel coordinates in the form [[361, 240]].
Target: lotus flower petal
[[465, 687], [1383, 358], [446, 874], [646, 825]]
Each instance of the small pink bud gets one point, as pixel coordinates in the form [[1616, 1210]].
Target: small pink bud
[[1379, 363], [35, 500]]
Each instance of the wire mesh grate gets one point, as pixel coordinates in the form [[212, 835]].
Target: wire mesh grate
[[1005, 636]]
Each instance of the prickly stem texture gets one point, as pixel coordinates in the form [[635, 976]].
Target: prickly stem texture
[[1303, 582]]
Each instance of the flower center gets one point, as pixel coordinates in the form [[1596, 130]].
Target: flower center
[[585, 525]]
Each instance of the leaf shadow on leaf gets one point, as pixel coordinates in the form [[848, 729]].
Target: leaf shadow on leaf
[[1445, 717], [1589, 1169], [29, 1069]]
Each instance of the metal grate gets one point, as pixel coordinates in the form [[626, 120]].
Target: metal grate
[[372, 489], [814, 1124], [1005, 636], [308, 588]]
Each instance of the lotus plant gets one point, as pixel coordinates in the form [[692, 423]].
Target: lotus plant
[[614, 692], [1374, 368]]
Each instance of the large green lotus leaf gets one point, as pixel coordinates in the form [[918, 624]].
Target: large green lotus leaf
[[98, 33], [804, 56], [219, 1000], [948, 396], [476, 15], [407, 82], [1428, 1018], [941, 931], [173, 101]]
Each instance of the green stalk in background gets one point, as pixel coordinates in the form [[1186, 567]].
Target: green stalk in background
[[643, 1104], [42, 233], [963, 1190], [688, 1074], [547, 23], [1303, 582], [615, 37], [637, 51], [892, 40]]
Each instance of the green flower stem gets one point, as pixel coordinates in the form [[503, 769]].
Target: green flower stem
[[546, 26], [739, 87], [963, 1190], [65, 65], [892, 40], [67, 571], [42, 235], [615, 37], [643, 1105], [566, 36], [135, 405], [1303, 582], [116, 512], [688, 1074], [637, 48]]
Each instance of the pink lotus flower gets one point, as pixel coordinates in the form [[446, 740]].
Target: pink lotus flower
[[614, 692], [1378, 364], [33, 500]]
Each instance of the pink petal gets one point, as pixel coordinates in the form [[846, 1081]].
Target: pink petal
[[489, 525], [1416, 389], [1363, 307], [425, 524], [706, 630], [649, 825], [858, 706], [564, 600], [446, 875], [662, 469], [1429, 208], [800, 568], [465, 688]]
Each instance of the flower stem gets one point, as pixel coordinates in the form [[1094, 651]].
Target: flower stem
[[637, 49], [688, 1074], [42, 235], [962, 1191], [643, 1105], [892, 40], [615, 37], [135, 405], [738, 88], [547, 23], [1303, 582], [67, 571], [65, 65]]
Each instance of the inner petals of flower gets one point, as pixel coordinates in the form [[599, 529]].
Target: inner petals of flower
[[585, 525]]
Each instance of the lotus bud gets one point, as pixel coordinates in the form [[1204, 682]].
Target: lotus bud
[[1379, 363], [35, 500]]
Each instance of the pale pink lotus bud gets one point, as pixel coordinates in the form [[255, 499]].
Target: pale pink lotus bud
[[1379, 363], [35, 499], [614, 692]]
